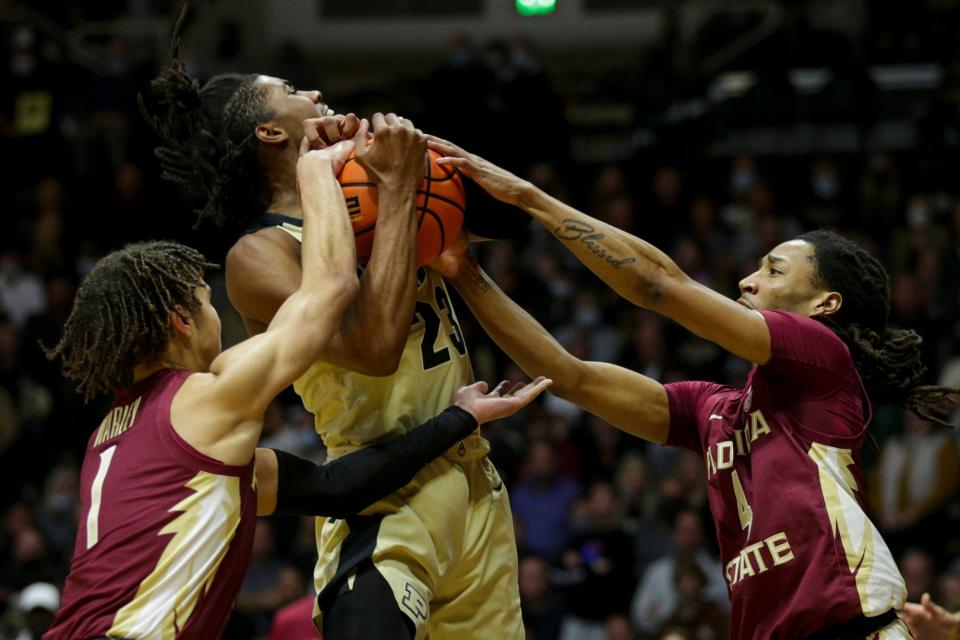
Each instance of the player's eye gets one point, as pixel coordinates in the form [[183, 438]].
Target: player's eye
[[773, 271]]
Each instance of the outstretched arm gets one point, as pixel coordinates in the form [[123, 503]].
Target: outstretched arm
[[628, 400], [635, 269], [289, 485]]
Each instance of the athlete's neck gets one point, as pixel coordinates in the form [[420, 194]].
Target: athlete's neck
[[173, 357], [285, 203], [281, 179]]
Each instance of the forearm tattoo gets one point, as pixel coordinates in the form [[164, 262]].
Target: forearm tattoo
[[578, 231]]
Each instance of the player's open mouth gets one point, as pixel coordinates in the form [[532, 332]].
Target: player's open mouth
[[324, 109]]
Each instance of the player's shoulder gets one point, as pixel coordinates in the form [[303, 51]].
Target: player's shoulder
[[251, 249], [811, 328]]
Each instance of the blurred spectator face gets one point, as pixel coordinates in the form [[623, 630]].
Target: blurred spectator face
[[18, 518], [743, 175], [761, 201], [610, 182], [918, 212], [605, 435], [688, 533], [262, 541], [29, 546], [290, 585], [948, 591], [824, 180], [687, 255], [632, 476], [667, 186], [690, 581], [619, 628], [618, 211], [703, 217], [603, 506], [62, 489], [905, 296], [60, 294], [49, 194], [533, 579], [542, 462], [129, 182], [917, 569], [648, 338]]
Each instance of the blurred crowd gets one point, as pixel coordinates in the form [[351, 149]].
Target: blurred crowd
[[615, 537]]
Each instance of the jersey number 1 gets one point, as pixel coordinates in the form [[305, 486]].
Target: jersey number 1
[[96, 494]]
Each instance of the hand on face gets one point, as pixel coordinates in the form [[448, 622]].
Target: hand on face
[[394, 159], [498, 182], [503, 401], [336, 154], [328, 130]]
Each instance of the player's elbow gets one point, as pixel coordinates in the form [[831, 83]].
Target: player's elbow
[[567, 374]]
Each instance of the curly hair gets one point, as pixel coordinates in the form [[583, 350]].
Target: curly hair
[[208, 147], [888, 359], [121, 314]]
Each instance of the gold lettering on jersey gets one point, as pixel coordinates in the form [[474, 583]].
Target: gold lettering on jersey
[[752, 560], [117, 422], [720, 455]]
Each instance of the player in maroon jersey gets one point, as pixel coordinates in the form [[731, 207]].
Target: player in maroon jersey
[[782, 455], [172, 480]]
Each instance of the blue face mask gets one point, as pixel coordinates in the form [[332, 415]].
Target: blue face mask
[[742, 180], [825, 186]]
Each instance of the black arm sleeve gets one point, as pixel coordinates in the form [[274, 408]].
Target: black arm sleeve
[[349, 484]]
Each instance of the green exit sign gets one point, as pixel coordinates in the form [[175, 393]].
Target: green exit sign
[[535, 7]]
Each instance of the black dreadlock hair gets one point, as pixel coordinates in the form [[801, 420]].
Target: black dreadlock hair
[[121, 315], [208, 147], [888, 359]]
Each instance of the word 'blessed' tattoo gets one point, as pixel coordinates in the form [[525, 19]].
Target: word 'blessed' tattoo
[[573, 229]]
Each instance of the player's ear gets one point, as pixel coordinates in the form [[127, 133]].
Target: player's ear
[[182, 324], [271, 133], [829, 303]]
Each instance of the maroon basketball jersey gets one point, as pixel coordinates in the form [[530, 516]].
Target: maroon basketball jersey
[[165, 532], [782, 458]]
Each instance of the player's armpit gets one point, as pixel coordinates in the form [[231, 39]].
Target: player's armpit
[[628, 400], [263, 270]]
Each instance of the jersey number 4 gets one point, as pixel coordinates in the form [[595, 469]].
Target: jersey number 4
[[743, 507], [430, 316]]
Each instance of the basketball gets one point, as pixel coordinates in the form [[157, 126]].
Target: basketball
[[440, 207]]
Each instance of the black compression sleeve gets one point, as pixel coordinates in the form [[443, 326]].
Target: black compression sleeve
[[352, 483]]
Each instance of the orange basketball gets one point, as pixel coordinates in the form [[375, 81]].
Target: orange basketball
[[440, 204]]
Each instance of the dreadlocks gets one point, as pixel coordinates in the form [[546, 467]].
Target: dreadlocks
[[208, 146], [121, 315], [888, 359]]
